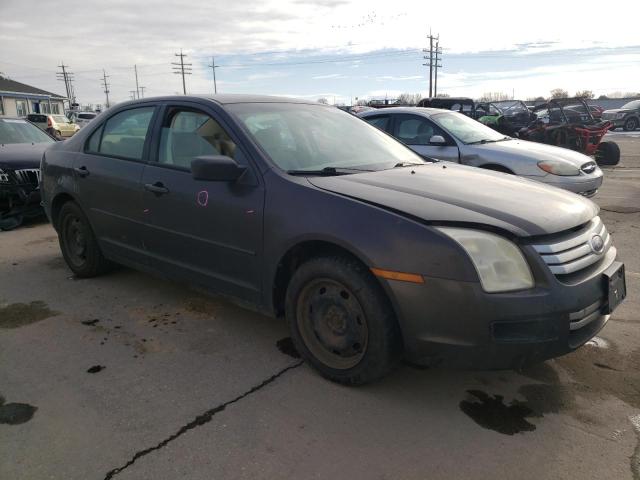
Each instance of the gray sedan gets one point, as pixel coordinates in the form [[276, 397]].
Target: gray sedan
[[454, 137]]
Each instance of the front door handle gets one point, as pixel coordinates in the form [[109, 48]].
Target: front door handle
[[158, 188], [82, 171]]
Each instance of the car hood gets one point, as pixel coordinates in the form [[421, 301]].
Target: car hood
[[22, 155], [455, 193], [524, 150]]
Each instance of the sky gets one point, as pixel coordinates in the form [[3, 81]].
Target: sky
[[337, 49]]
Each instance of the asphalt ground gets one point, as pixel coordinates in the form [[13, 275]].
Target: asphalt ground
[[129, 376]]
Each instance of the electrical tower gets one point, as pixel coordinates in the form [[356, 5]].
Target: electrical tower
[[182, 69], [106, 86], [135, 68], [438, 57], [213, 67], [434, 55], [67, 77]]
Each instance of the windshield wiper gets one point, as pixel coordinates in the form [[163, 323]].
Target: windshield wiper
[[409, 164], [485, 140], [328, 171]]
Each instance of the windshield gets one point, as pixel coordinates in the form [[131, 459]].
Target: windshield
[[466, 129], [312, 137], [60, 119], [632, 105], [20, 131]]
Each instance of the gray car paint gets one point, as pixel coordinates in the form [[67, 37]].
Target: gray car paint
[[518, 156]]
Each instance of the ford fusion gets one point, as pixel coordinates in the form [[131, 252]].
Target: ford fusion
[[301, 210]]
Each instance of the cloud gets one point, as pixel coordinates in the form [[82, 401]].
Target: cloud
[[401, 79], [328, 76]]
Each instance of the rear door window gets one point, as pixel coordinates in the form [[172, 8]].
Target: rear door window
[[379, 121], [125, 133]]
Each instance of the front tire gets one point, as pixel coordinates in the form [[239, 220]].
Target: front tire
[[341, 321], [608, 153], [631, 124], [78, 243]]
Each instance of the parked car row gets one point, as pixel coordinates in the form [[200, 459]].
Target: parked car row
[[371, 251]]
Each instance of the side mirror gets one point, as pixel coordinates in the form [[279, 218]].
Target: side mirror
[[216, 168], [437, 140]]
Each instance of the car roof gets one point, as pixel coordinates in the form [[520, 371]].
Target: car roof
[[427, 112], [225, 99]]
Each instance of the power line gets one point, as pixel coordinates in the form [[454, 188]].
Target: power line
[[183, 69]]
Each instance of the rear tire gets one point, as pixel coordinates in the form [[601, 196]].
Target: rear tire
[[78, 243], [631, 124], [341, 321], [608, 153]]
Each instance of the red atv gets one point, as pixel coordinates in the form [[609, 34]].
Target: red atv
[[569, 123]]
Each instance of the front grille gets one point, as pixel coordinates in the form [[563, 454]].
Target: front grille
[[576, 250], [29, 176]]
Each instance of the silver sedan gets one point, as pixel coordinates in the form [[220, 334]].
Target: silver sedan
[[454, 137]]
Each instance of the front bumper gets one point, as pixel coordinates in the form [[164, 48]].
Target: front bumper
[[453, 323], [586, 185], [17, 202]]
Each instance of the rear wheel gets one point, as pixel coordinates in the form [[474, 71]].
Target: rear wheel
[[78, 243], [631, 124], [608, 153], [341, 321]]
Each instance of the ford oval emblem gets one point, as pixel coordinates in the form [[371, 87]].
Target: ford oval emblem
[[597, 244]]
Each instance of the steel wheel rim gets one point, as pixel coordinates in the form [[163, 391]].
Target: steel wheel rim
[[332, 323], [75, 237]]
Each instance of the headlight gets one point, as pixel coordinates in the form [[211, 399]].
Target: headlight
[[4, 177], [556, 167], [620, 115], [498, 261]]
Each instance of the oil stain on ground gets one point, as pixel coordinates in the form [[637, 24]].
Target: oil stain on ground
[[285, 345], [15, 413], [96, 369], [491, 412], [17, 315]]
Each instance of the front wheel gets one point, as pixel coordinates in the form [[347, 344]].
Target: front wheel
[[341, 321], [631, 124], [78, 243]]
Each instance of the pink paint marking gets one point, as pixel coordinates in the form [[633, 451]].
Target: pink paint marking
[[202, 198]]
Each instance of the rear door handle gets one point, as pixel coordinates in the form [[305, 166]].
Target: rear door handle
[[82, 171], [158, 188]]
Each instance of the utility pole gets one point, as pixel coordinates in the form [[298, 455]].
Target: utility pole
[[438, 55], [106, 86], [430, 58], [142, 90], [67, 77], [182, 69], [135, 68], [213, 67], [132, 94]]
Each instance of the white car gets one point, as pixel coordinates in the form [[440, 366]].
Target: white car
[[82, 118]]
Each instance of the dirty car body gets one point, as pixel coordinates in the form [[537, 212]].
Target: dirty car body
[[290, 219], [21, 147], [468, 142]]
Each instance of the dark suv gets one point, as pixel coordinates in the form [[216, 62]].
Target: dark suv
[[627, 116], [302, 210]]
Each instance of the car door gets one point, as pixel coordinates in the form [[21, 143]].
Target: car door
[[107, 180], [207, 232], [416, 131]]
